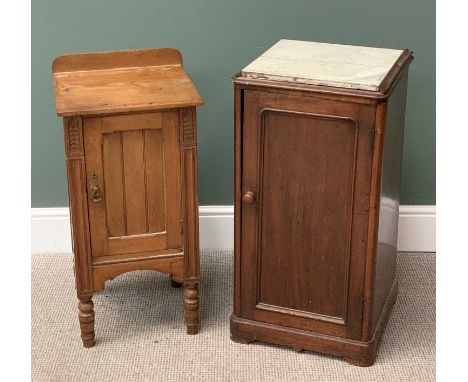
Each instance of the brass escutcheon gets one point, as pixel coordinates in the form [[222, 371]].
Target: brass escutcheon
[[95, 190]]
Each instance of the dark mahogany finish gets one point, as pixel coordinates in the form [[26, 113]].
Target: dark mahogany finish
[[317, 174]]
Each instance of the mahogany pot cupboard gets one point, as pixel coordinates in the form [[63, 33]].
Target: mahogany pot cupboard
[[131, 154], [318, 145]]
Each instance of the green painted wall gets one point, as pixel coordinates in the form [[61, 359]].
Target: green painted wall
[[218, 38]]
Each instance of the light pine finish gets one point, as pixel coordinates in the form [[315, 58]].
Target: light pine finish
[[132, 171], [137, 166], [122, 82], [317, 174]]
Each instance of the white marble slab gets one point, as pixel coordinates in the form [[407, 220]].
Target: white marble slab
[[345, 66]]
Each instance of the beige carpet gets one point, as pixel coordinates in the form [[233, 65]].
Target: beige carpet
[[140, 335]]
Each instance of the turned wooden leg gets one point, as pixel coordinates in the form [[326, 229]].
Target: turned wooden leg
[[175, 283], [86, 317], [191, 306]]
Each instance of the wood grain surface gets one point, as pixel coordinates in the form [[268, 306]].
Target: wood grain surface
[[130, 144], [317, 174], [122, 82]]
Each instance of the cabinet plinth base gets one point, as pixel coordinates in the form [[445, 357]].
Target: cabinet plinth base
[[358, 353]]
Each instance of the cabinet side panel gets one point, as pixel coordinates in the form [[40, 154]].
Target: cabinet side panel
[[238, 116], [385, 262]]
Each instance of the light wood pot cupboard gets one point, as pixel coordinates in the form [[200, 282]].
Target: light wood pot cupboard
[[130, 144], [318, 146]]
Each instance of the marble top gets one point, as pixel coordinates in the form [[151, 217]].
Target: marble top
[[345, 66]]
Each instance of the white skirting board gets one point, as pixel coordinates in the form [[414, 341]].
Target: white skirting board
[[50, 229]]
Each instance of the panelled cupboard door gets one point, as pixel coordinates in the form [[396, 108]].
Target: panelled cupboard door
[[304, 234], [134, 190]]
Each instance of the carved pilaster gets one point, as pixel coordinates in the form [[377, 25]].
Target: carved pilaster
[[78, 203], [188, 131], [73, 137], [190, 217]]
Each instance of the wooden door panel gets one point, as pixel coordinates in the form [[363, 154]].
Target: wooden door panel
[[113, 179], [134, 181], [145, 121], [146, 242], [136, 158], [172, 178], [155, 187], [306, 195], [304, 239]]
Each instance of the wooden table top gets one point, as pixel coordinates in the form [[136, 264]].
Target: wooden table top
[[121, 82]]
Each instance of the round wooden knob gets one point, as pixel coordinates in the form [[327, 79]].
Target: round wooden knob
[[249, 197]]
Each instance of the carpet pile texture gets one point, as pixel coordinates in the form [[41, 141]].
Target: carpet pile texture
[[140, 334]]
